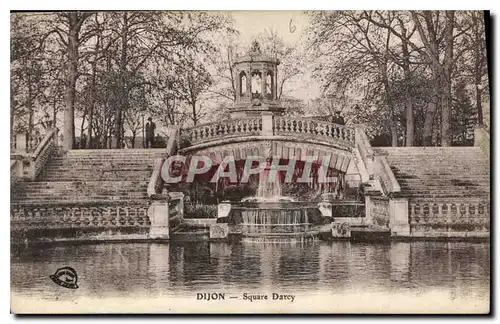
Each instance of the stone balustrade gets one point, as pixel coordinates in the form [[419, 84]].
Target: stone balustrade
[[268, 126], [318, 129], [452, 212], [79, 216], [385, 175], [227, 128], [30, 165]]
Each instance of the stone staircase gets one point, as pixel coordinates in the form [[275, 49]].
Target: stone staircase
[[440, 173], [90, 176]]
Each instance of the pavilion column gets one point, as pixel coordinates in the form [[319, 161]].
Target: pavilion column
[[249, 83], [275, 86], [238, 85], [263, 82]]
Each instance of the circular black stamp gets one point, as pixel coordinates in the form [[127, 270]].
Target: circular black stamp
[[65, 277]]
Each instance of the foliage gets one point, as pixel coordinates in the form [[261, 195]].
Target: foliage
[[397, 71]]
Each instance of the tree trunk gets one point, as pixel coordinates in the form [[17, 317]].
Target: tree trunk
[[134, 134], [478, 63], [92, 102], [390, 105], [72, 74], [195, 118], [446, 81], [446, 114], [410, 125], [121, 84], [29, 105], [410, 128], [479, 106], [428, 124]]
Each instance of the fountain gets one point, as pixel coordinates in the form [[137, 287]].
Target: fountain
[[269, 216]]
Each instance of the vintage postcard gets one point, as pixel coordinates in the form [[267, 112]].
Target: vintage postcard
[[186, 162]]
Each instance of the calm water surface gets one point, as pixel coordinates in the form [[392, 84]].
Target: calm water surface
[[133, 269]]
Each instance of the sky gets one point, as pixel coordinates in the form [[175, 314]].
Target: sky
[[290, 25]]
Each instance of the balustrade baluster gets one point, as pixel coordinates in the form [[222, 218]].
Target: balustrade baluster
[[440, 212], [328, 130], [448, 213]]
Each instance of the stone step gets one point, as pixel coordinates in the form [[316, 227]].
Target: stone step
[[431, 166], [437, 164], [105, 172], [444, 181]]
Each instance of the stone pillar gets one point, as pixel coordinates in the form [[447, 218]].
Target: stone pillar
[[238, 84], [21, 144], [249, 83], [158, 215], [325, 208], [480, 135], [263, 83], [275, 81], [223, 210], [267, 123], [398, 217], [219, 231], [368, 210]]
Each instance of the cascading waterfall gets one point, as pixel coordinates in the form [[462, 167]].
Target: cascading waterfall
[[269, 190], [266, 221], [272, 217]]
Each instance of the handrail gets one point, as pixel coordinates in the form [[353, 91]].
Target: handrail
[[43, 152], [364, 147], [156, 181], [389, 179], [43, 144], [381, 167], [33, 163]]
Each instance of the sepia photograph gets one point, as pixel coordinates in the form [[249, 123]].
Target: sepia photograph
[[250, 162]]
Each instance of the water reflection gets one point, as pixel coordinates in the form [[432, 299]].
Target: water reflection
[[135, 269]]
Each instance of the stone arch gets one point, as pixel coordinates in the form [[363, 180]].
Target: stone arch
[[256, 84], [243, 83], [269, 85], [338, 159]]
